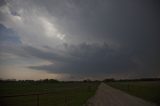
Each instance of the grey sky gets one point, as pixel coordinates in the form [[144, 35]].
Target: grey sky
[[75, 39]]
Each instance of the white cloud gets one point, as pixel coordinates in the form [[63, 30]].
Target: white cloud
[[34, 25], [50, 29]]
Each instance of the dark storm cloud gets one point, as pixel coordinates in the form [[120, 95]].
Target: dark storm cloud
[[87, 59], [129, 28], [45, 55], [2, 2], [134, 25], [121, 21]]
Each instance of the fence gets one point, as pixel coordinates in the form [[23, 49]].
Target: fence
[[20, 95], [37, 95]]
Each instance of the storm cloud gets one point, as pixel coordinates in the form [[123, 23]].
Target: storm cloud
[[84, 38]]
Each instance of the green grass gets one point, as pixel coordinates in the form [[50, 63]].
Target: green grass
[[62, 94], [147, 90]]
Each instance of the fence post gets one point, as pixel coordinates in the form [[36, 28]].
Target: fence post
[[89, 88], [37, 99], [66, 101]]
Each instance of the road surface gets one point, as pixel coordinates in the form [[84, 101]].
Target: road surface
[[108, 96]]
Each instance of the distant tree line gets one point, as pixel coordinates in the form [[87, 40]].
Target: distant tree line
[[138, 79], [84, 81], [141, 79], [29, 81]]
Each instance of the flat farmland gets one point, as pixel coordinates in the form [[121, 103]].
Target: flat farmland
[[147, 90], [57, 94]]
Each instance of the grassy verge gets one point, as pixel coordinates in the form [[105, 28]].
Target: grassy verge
[[62, 94], [147, 90]]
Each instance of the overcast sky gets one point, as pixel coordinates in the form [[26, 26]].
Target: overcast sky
[[79, 39]]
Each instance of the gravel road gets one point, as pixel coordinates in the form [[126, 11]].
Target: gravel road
[[108, 96]]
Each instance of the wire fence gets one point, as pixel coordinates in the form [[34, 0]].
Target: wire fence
[[38, 99], [34, 99]]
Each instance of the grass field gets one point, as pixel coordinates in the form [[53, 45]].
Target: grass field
[[61, 94], [148, 90]]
